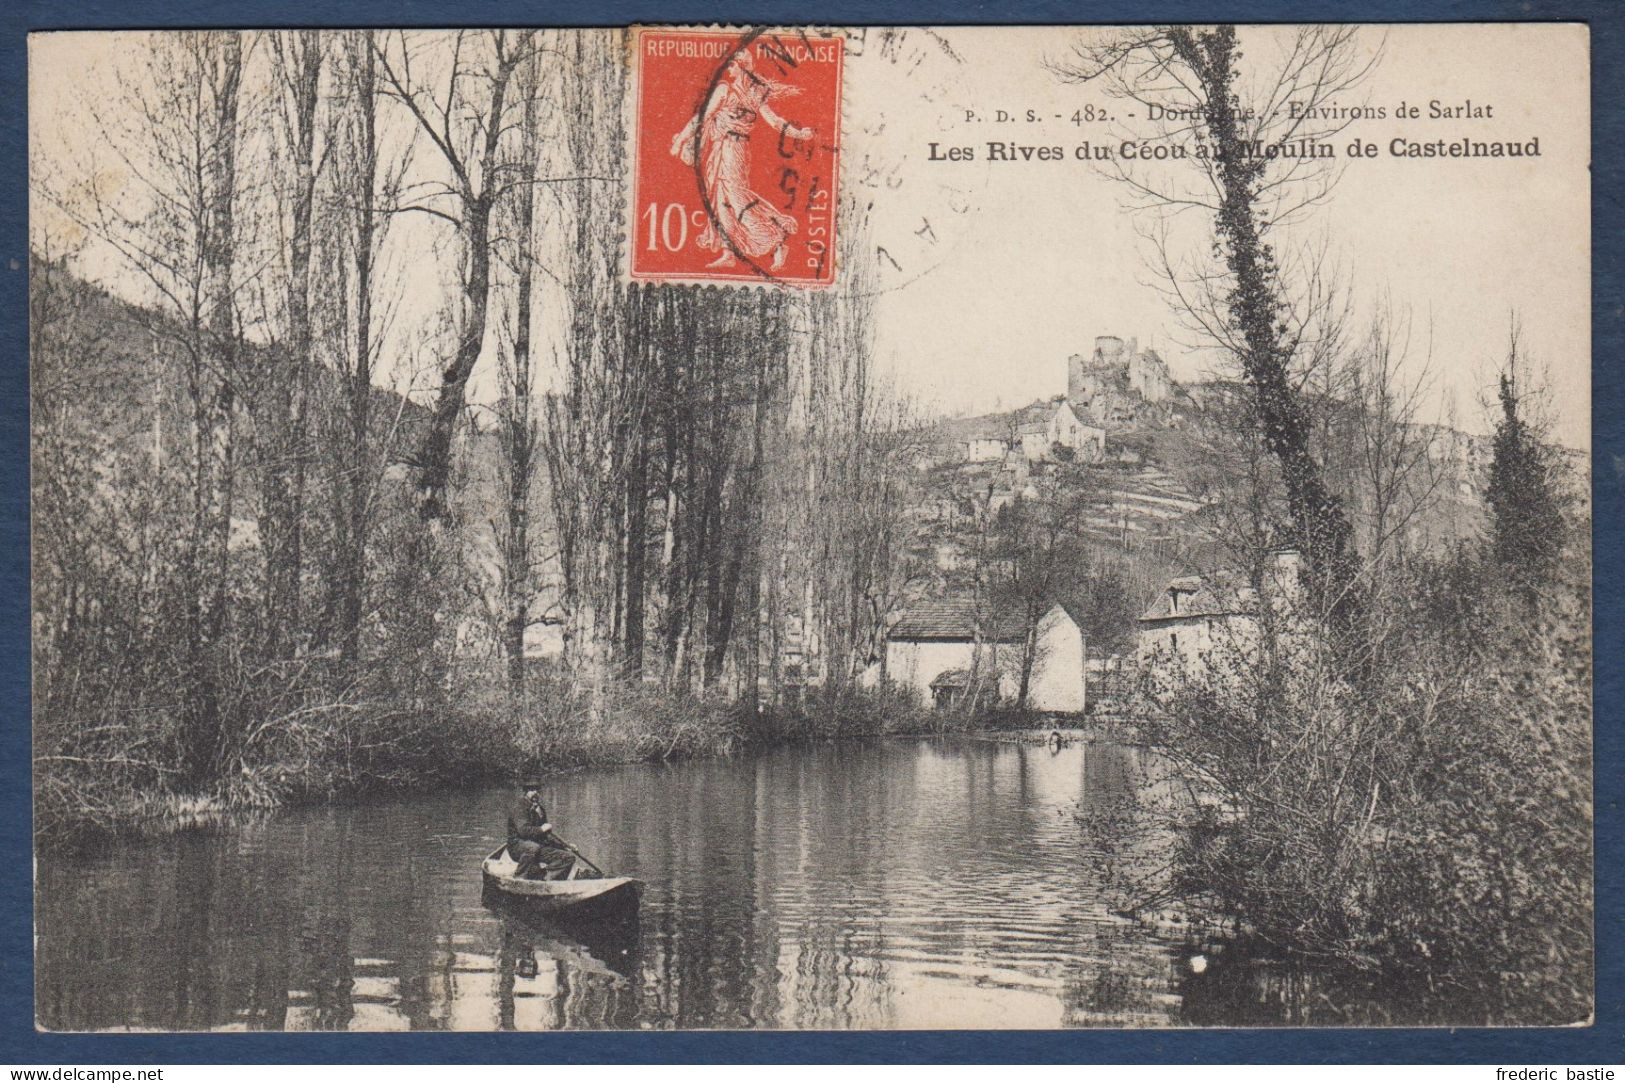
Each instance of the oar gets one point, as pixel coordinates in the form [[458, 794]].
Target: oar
[[586, 861]]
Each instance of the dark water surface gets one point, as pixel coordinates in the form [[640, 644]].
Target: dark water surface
[[899, 883]]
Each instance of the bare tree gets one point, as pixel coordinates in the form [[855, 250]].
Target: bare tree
[[106, 508], [1402, 458], [517, 411], [1261, 158], [1041, 550], [350, 285], [181, 239], [593, 421], [357, 200], [837, 525], [464, 114], [283, 431]]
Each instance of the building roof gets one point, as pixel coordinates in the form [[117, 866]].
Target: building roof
[[1219, 595], [983, 427], [1073, 611], [955, 619], [1033, 426]]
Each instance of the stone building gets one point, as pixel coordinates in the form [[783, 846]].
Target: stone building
[[1057, 683], [1111, 383], [1048, 425], [1215, 621], [1067, 430], [1148, 375], [932, 638], [947, 650]]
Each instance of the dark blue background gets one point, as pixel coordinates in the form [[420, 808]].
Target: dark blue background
[[20, 1044]]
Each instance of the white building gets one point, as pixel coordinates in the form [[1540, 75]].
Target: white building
[[1035, 441], [1213, 621], [980, 439], [1067, 430], [933, 638], [1191, 616], [1057, 681], [1045, 426], [981, 449], [945, 650]]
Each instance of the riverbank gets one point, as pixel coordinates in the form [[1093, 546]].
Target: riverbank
[[353, 748]]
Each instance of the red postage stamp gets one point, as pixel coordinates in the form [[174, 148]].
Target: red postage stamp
[[735, 156]]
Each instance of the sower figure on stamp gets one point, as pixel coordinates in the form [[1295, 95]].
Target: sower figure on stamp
[[531, 841], [741, 220]]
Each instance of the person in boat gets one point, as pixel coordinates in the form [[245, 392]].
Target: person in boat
[[532, 843]]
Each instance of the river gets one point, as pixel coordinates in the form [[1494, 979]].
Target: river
[[897, 883]]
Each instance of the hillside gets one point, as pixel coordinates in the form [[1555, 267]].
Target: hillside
[[103, 366], [1162, 481], [1157, 464]]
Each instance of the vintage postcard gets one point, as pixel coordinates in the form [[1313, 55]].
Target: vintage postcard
[[767, 528]]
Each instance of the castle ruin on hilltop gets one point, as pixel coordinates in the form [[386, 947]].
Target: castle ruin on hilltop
[[1111, 383], [1108, 389]]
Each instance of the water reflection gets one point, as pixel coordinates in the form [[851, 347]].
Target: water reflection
[[895, 884]]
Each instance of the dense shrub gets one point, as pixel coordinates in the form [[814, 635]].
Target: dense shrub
[[853, 711], [316, 729], [1426, 816]]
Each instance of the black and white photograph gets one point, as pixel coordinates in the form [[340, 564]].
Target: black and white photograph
[[811, 528]]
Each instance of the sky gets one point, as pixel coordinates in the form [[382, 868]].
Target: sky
[[993, 274], [1051, 258]]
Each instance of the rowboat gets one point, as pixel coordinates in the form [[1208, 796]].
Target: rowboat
[[577, 897]]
